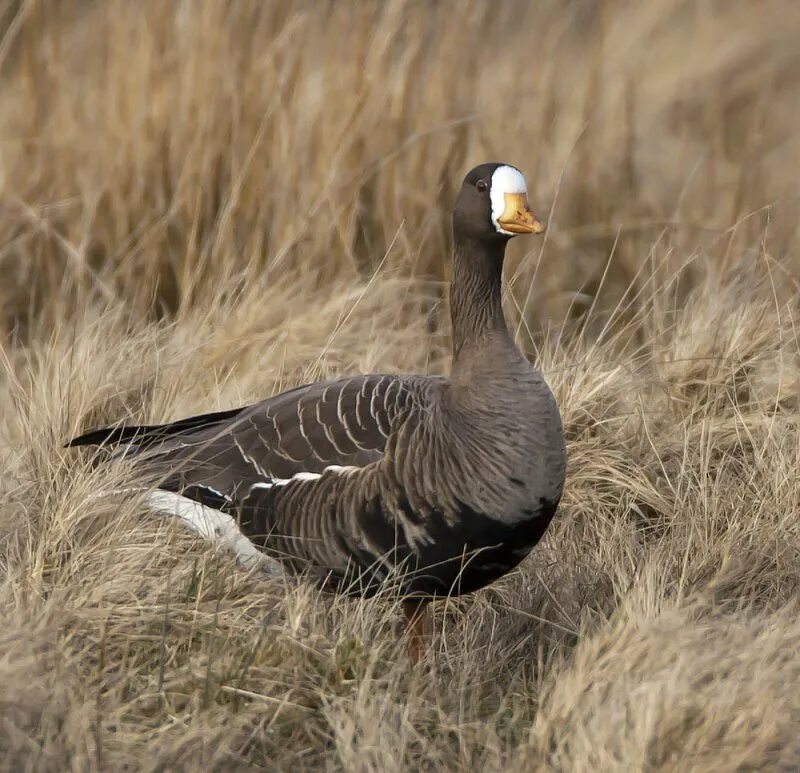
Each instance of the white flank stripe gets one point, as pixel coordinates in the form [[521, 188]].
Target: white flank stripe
[[301, 476], [214, 491], [214, 526], [304, 476], [261, 485]]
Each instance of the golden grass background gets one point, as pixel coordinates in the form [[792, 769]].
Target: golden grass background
[[202, 203]]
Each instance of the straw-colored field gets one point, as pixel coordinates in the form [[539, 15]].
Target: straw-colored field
[[202, 203]]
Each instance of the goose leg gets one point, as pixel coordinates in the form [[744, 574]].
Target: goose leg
[[418, 628]]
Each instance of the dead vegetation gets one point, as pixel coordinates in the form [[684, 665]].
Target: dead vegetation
[[203, 203]]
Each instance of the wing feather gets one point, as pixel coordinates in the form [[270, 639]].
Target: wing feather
[[344, 422]]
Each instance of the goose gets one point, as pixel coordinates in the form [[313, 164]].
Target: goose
[[432, 486]]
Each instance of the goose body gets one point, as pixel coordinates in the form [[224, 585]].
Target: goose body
[[436, 486]]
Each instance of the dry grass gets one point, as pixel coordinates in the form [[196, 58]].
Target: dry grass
[[202, 203]]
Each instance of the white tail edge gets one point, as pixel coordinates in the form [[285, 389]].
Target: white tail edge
[[214, 526]]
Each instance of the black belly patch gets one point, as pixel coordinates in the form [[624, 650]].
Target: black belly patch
[[458, 559]]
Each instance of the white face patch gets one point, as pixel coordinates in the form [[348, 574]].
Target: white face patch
[[506, 179]]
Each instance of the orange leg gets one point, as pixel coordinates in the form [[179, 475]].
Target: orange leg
[[418, 628]]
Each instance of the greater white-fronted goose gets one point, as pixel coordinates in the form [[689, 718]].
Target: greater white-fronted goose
[[434, 485]]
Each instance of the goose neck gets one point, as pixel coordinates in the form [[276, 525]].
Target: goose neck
[[476, 294]]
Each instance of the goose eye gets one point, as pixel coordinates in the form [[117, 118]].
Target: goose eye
[[481, 185]]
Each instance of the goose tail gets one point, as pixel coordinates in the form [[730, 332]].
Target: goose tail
[[143, 436]]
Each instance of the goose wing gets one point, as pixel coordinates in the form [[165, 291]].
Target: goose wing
[[216, 458]]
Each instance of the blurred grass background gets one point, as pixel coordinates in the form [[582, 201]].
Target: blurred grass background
[[151, 151]]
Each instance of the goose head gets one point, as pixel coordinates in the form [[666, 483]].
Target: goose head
[[493, 204]]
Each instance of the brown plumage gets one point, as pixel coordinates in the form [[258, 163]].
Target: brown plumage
[[431, 485]]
